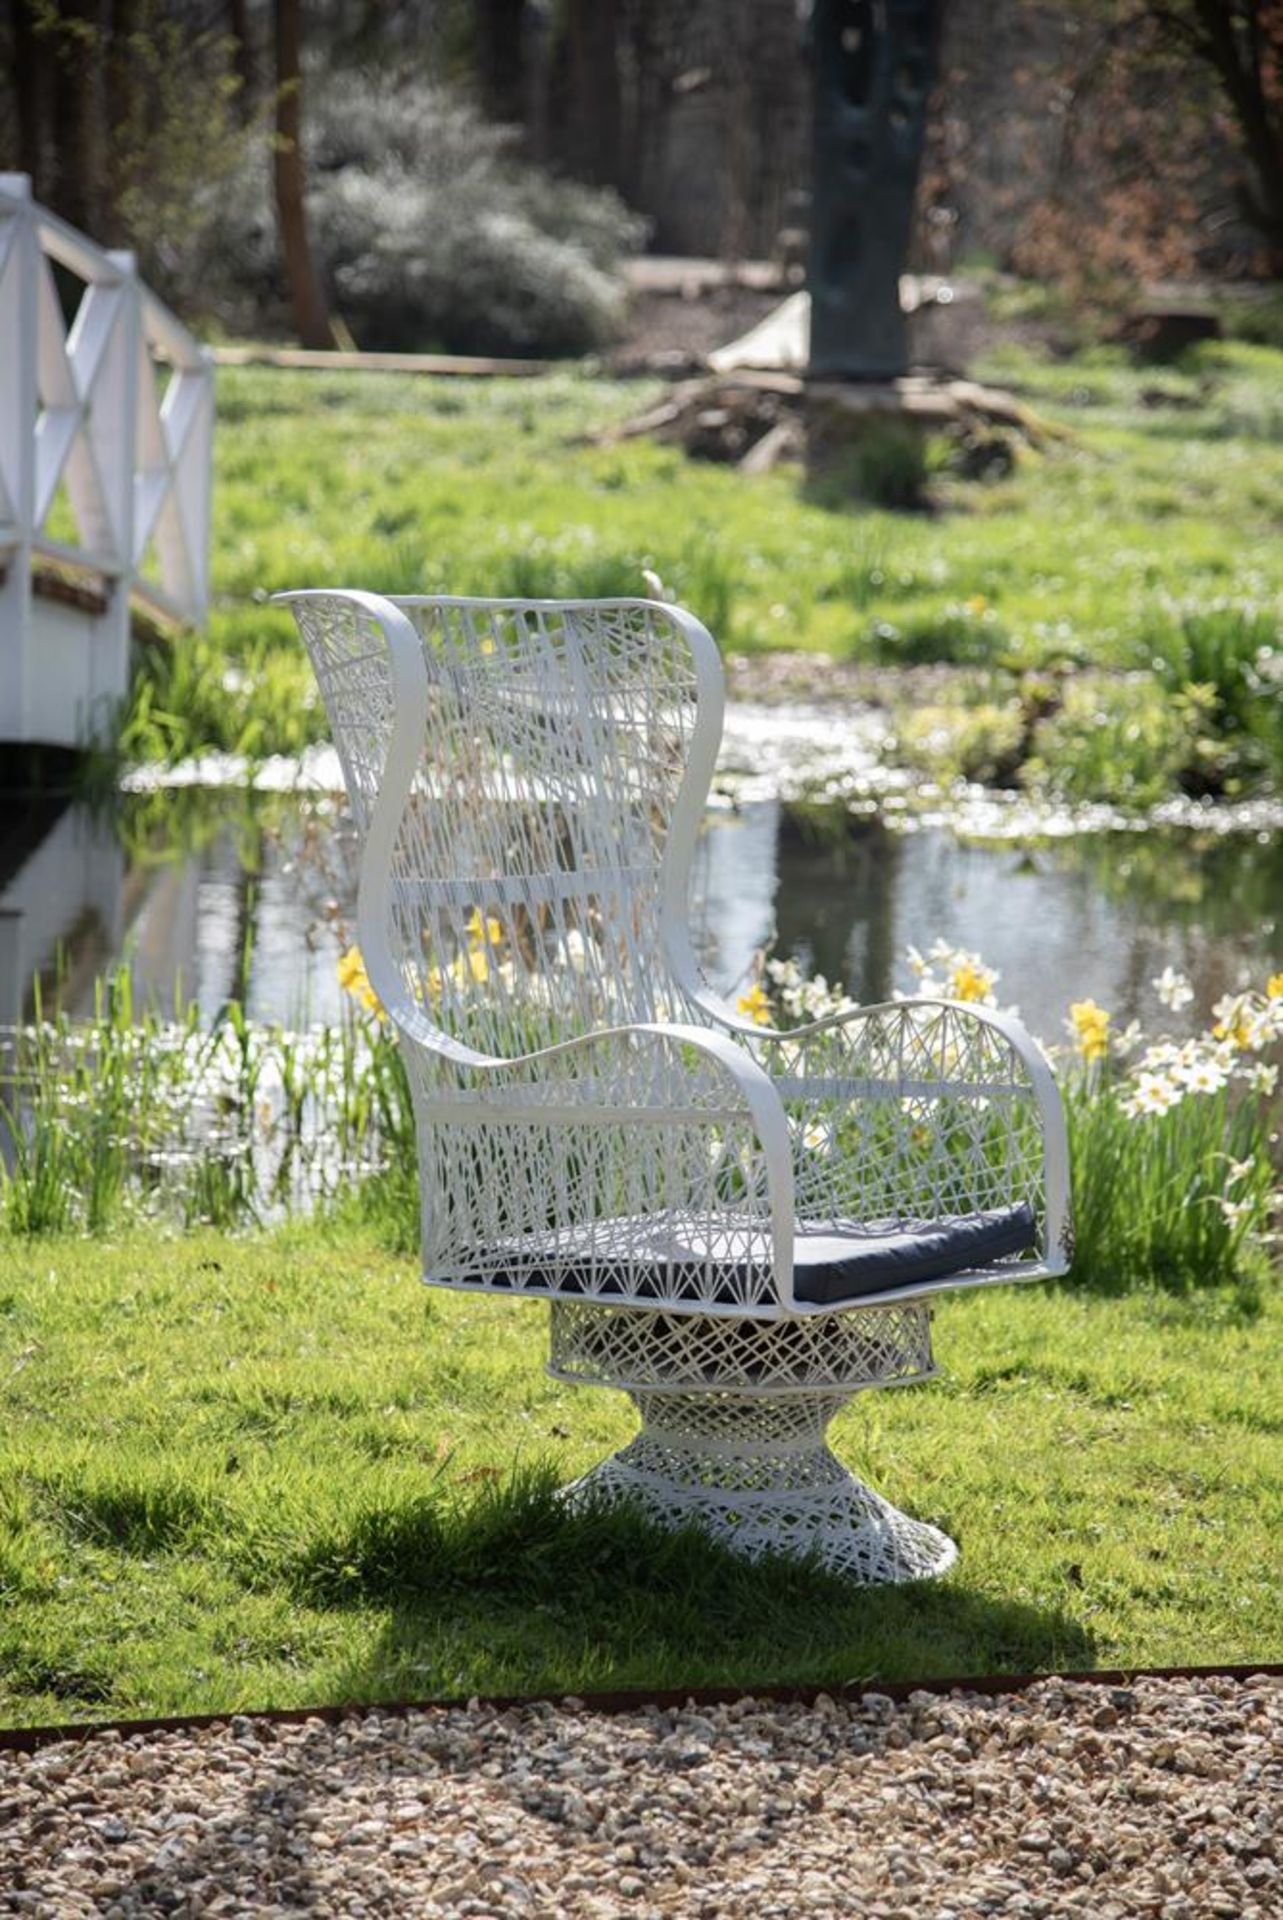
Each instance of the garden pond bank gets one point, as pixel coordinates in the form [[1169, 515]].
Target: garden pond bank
[[218, 884]]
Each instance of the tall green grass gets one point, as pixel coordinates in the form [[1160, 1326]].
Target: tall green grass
[[1233, 654], [1180, 1200], [129, 1114]]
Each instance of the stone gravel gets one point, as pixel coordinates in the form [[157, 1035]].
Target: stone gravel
[[1164, 1798]]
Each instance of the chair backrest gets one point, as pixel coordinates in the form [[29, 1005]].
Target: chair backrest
[[536, 885]]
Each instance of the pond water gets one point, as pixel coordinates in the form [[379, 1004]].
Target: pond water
[[214, 893]]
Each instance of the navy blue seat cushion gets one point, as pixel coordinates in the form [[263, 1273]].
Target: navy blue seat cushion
[[828, 1268]]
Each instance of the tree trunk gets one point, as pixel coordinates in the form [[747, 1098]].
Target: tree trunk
[[124, 119], [1230, 38], [501, 59], [238, 32], [307, 299], [593, 92], [78, 49], [27, 92]]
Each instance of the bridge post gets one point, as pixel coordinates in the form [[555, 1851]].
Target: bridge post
[[117, 439], [19, 263]]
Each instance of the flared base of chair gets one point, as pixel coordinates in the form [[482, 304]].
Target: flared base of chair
[[760, 1496], [734, 1417]]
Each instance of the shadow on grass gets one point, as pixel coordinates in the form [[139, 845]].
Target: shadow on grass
[[511, 1592]]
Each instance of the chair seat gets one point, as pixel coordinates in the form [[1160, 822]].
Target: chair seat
[[828, 1268]]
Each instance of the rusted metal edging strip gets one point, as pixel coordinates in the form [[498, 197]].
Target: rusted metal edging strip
[[633, 1700]]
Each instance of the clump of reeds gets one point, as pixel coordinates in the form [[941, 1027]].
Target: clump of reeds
[[128, 1114]]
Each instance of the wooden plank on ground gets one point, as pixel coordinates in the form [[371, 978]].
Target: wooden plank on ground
[[473, 366]]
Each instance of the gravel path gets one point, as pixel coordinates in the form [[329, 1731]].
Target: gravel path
[[1164, 1799]]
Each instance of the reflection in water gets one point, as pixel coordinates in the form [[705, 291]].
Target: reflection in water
[[62, 889], [221, 895], [1095, 917]]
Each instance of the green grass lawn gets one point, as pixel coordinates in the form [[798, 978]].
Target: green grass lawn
[[1160, 510], [276, 1470]]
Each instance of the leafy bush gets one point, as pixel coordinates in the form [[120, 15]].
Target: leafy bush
[[972, 742], [966, 634], [427, 231], [1258, 320], [1228, 656], [1116, 737]]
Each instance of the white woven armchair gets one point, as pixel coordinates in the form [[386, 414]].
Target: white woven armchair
[[739, 1227]]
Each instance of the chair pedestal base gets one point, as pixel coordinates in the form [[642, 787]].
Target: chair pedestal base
[[758, 1477], [734, 1415]]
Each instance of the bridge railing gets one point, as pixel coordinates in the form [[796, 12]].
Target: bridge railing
[[106, 437]]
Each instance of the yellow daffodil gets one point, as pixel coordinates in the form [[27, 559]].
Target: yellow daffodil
[[355, 980], [969, 982], [755, 1004], [1274, 987], [483, 932], [977, 603], [1090, 1025], [465, 967]]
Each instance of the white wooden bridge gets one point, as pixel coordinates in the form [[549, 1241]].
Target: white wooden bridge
[[106, 434]]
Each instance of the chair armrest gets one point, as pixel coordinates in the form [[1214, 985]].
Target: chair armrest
[[903, 1052], [689, 1123]]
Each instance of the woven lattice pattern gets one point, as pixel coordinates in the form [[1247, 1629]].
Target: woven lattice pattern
[[349, 655], [758, 1477], [526, 875], [907, 1114], [775, 1359], [604, 1172], [529, 779]]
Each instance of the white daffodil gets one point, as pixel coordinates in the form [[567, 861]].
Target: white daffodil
[[1127, 1039], [1206, 1075], [1173, 989], [1153, 1093]]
